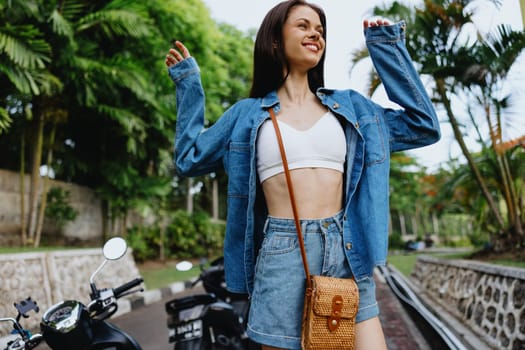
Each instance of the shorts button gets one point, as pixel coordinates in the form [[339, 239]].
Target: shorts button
[[348, 246], [326, 224]]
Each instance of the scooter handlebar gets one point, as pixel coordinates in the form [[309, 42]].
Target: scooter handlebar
[[127, 286]]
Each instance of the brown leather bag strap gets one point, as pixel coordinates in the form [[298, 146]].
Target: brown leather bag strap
[[292, 198]]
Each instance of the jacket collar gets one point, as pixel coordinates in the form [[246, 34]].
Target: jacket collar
[[270, 100]]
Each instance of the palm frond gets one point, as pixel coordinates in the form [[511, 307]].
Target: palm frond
[[504, 45], [116, 22], [60, 24], [29, 81], [133, 126], [5, 120], [72, 9], [24, 46]]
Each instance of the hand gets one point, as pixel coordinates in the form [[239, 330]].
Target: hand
[[375, 23], [174, 56]]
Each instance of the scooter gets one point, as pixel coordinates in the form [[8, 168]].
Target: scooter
[[73, 325], [21, 339], [215, 320]]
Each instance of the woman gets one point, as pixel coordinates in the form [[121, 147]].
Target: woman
[[338, 145]]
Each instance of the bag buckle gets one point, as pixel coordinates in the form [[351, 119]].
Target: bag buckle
[[335, 318]]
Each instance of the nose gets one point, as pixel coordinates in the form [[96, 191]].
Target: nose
[[315, 35]]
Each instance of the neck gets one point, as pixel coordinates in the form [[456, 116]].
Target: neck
[[295, 90]]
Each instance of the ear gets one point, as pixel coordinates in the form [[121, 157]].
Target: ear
[[275, 44]]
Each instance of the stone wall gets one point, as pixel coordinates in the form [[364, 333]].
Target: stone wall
[[85, 230], [488, 299], [51, 277]]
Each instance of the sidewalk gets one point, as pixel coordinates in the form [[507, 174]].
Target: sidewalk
[[400, 331]]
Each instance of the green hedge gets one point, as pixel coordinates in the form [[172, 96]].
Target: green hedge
[[187, 236]]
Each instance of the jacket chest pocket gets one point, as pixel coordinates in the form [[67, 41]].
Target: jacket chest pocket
[[238, 168], [373, 132]]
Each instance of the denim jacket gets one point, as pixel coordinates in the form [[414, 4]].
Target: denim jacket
[[372, 132]]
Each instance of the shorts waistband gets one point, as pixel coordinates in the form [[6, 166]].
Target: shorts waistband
[[307, 225]]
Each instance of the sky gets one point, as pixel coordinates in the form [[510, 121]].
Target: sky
[[345, 34]]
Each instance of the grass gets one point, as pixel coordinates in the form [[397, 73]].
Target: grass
[[405, 262], [13, 250], [157, 275]]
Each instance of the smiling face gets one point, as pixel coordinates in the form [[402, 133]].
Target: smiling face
[[303, 40]]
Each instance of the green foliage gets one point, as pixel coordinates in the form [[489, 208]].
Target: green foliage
[[58, 208], [187, 236], [107, 72], [395, 241], [144, 242], [191, 236]]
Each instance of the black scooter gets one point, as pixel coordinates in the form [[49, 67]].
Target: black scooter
[[21, 339], [72, 325], [212, 321]]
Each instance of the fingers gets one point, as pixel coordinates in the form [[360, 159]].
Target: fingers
[[375, 23], [177, 54]]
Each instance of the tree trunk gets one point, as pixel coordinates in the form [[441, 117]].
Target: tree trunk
[[402, 225], [35, 177], [43, 201], [440, 84], [23, 228], [522, 6], [215, 201], [189, 197], [435, 224], [415, 228]]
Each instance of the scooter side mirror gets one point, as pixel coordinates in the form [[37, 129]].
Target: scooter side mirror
[[115, 248]]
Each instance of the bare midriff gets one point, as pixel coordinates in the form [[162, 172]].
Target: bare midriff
[[318, 193]]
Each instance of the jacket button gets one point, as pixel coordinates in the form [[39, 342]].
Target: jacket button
[[357, 125], [335, 105], [348, 246]]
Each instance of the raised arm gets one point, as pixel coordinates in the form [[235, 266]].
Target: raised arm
[[416, 124], [197, 150]]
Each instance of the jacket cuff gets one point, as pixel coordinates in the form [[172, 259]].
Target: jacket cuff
[[388, 33], [183, 68]]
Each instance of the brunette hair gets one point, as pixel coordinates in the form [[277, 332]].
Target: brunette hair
[[269, 61]]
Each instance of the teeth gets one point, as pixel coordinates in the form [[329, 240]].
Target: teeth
[[312, 47]]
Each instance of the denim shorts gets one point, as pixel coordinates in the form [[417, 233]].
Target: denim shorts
[[278, 296]]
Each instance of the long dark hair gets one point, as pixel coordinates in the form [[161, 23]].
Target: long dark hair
[[269, 61]]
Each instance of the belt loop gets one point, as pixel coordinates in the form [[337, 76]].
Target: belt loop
[[303, 228], [265, 228], [338, 218]]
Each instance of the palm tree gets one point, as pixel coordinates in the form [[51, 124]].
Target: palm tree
[[437, 43], [24, 59], [494, 58], [86, 70]]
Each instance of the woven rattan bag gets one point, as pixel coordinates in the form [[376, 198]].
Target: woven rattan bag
[[330, 303], [330, 307]]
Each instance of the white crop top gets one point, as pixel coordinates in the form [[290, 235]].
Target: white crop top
[[321, 146]]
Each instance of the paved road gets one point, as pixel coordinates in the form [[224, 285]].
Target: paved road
[[147, 324]]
